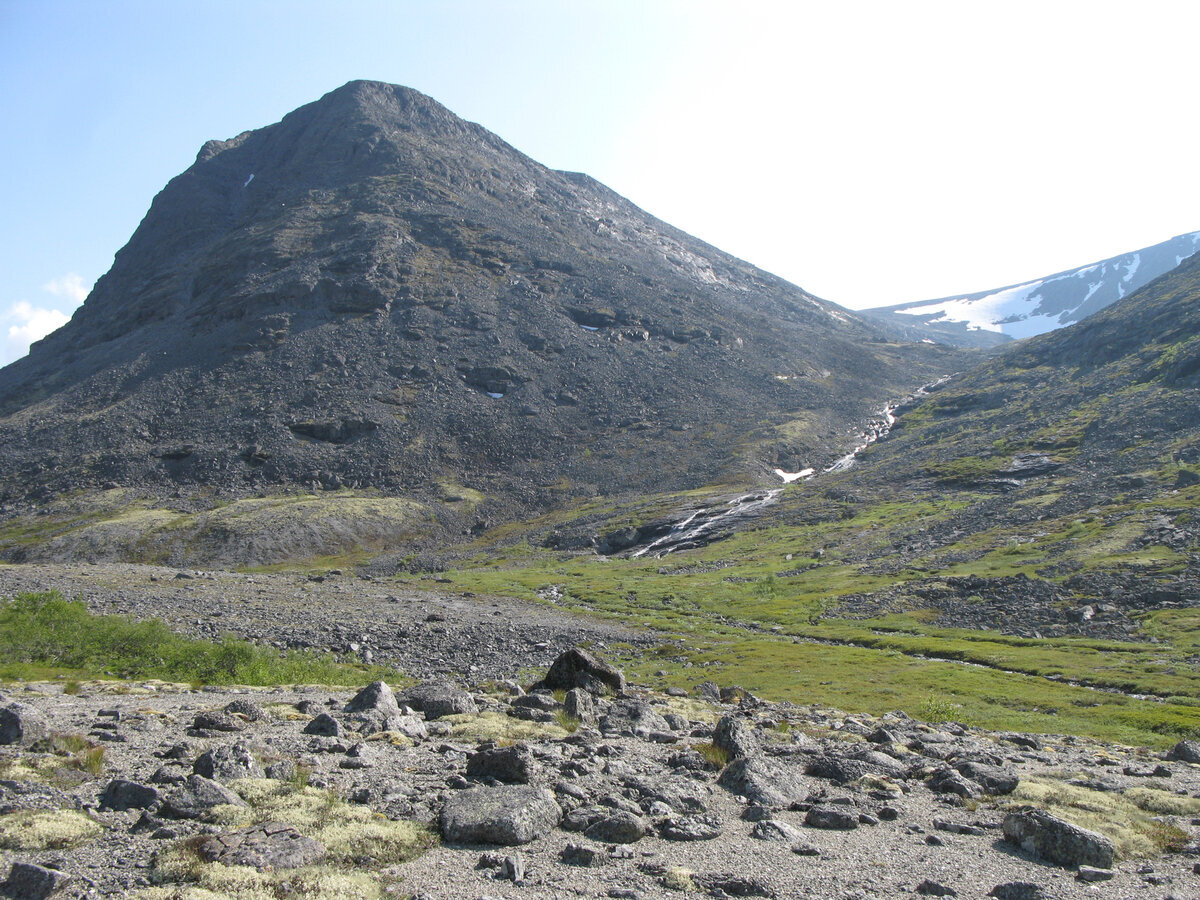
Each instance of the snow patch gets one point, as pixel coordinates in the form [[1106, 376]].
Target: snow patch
[[1133, 266], [789, 477], [494, 395], [248, 180]]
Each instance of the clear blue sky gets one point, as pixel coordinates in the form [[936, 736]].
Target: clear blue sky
[[872, 152]]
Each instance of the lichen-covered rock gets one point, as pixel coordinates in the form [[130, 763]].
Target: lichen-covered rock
[[376, 696], [1057, 840], [228, 763], [269, 846], [120, 794], [691, 828], [508, 815], [620, 827], [636, 717], [1185, 751]]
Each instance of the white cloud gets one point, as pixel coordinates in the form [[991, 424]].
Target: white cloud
[[70, 286], [22, 323]]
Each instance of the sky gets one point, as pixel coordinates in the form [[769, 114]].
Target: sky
[[872, 152]]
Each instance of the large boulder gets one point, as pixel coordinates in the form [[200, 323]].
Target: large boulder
[[121, 795], [507, 815], [29, 881], [21, 724], [197, 796], [1054, 839], [437, 699], [765, 781], [576, 668], [1185, 751]]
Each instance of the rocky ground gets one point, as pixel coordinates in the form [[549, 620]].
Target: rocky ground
[[603, 790], [423, 633]]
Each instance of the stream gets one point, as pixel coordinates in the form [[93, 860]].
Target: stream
[[710, 523]]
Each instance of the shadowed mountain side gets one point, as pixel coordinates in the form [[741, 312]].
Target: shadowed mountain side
[[375, 294]]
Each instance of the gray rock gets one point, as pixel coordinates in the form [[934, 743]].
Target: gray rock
[[196, 796], [579, 703], [375, 697], [620, 827], [948, 781], [577, 668], [775, 830], [507, 815], [992, 779], [121, 795], [27, 881], [228, 763], [1056, 840], [691, 828], [247, 709], [513, 765], [21, 724], [709, 692], [324, 725], [265, 847], [1185, 751], [215, 720], [830, 817], [929, 888], [735, 737], [677, 722], [583, 855], [1094, 874], [763, 780], [633, 716], [437, 699], [1018, 890]]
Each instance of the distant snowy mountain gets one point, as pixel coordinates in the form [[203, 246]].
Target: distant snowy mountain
[[991, 317]]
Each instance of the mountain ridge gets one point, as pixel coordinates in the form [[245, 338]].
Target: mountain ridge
[[993, 317]]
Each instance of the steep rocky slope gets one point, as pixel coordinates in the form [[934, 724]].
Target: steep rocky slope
[[376, 295]]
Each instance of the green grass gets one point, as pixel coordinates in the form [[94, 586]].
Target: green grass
[[44, 636]]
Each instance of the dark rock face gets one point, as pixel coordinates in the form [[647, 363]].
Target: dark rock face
[[512, 765], [28, 881], [374, 293], [228, 763], [735, 737], [120, 794], [1060, 842], [196, 796]]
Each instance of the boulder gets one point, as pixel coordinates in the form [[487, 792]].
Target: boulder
[[762, 780], [247, 709], [196, 796], [580, 705], [635, 717], [576, 668], [228, 764], [21, 724], [831, 817], [375, 697], [735, 737], [27, 881], [775, 830], [1056, 840], [266, 847], [1185, 751], [508, 815], [437, 699], [513, 765], [215, 720], [323, 725], [992, 779], [619, 827], [690, 828], [121, 795]]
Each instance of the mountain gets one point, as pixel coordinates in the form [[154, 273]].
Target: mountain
[[374, 324], [988, 318]]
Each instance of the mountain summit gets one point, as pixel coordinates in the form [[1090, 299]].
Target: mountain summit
[[376, 295]]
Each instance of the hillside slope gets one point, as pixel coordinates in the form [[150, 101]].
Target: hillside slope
[[387, 308]]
